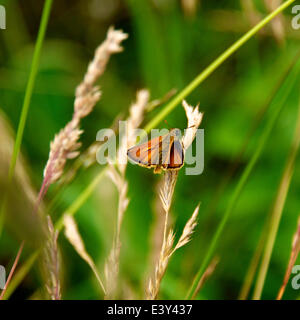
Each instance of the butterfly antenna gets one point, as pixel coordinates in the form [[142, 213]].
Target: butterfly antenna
[[166, 122], [192, 126]]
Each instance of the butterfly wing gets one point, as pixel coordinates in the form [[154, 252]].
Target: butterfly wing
[[146, 154], [167, 143], [176, 155]]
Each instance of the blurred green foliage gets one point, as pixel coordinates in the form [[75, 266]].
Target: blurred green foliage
[[166, 49]]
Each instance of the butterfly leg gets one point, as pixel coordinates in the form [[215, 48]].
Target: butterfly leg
[[157, 169]]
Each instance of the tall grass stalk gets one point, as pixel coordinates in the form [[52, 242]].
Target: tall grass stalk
[[161, 115], [207, 273], [117, 174], [20, 274], [277, 211], [12, 270], [243, 179]]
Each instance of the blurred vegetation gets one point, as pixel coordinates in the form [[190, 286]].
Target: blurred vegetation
[[168, 45]]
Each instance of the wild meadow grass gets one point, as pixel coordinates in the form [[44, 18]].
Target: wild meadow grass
[[65, 147]]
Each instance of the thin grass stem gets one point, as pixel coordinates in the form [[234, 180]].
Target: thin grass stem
[[30, 85], [13, 268], [27, 100], [250, 275], [20, 274]]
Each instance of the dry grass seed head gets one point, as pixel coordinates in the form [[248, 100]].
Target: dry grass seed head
[[167, 251], [65, 144], [166, 192], [161, 267], [111, 45], [63, 147], [194, 118], [188, 230], [52, 263], [73, 236]]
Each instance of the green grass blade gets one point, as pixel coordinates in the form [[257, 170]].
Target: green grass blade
[[286, 89], [30, 85], [213, 66]]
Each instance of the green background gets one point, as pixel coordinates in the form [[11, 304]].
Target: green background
[[166, 49]]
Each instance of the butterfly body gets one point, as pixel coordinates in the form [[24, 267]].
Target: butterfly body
[[161, 153]]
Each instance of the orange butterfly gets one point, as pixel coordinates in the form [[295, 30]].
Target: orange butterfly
[[161, 153]]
